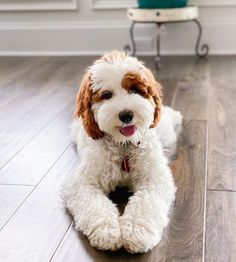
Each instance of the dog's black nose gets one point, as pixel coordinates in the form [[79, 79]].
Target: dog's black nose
[[126, 116]]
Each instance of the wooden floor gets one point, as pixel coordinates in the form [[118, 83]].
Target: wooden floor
[[36, 103]]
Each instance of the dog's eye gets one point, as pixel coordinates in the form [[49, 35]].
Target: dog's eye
[[134, 90], [106, 95]]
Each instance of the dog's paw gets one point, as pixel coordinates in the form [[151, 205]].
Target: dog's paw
[[106, 237], [138, 236]]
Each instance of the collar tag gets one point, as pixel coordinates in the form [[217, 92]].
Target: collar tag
[[126, 165]]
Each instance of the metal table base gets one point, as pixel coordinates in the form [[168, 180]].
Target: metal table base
[[201, 52]]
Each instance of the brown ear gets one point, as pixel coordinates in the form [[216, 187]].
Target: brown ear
[[154, 90], [83, 108]]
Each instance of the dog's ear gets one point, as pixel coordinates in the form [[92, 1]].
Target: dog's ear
[[83, 108], [155, 91]]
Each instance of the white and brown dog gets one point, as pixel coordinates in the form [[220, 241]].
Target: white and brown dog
[[120, 142]]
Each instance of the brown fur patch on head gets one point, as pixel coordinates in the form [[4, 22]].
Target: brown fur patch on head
[[147, 87], [83, 108]]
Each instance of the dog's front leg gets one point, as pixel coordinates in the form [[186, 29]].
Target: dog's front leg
[[146, 213], [94, 214]]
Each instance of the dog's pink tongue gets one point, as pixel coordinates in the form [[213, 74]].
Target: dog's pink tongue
[[128, 130]]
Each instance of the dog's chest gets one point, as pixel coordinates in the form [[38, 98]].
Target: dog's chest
[[129, 155], [125, 155], [122, 164]]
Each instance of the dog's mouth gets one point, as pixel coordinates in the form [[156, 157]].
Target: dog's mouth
[[128, 130]]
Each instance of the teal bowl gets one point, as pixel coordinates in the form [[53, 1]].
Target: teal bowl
[[152, 4]]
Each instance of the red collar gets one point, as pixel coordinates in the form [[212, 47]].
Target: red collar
[[126, 165]]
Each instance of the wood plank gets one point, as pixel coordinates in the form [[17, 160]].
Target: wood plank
[[183, 239], [222, 125], [37, 228], [22, 76], [14, 83], [192, 95], [12, 64], [221, 227], [42, 152], [11, 197], [169, 75], [15, 138], [169, 90], [37, 109], [33, 86]]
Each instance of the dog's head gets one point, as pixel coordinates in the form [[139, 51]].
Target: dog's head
[[120, 97]]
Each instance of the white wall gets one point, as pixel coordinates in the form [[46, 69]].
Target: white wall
[[72, 27]]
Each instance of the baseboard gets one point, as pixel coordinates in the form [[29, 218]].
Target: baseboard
[[99, 53], [94, 38]]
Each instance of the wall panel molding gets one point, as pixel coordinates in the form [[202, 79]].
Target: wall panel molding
[[212, 3], [123, 4], [78, 38], [39, 6], [113, 4]]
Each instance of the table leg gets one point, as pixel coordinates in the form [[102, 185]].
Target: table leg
[[203, 51], [133, 45], [158, 56]]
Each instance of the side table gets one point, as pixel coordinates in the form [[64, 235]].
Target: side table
[[162, 16]]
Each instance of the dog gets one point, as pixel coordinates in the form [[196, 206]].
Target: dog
[[121, 130]]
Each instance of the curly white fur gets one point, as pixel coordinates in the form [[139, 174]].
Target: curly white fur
[[99, 172]]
